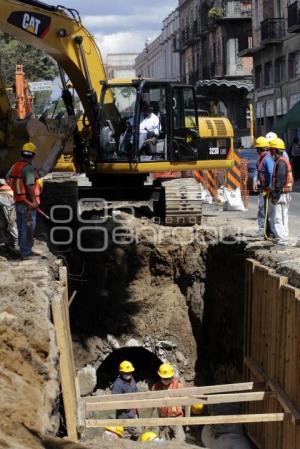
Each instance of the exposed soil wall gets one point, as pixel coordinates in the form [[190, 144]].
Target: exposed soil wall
[[166, 285], [29, 384]]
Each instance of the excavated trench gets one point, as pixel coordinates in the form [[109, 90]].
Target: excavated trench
[[152, 296]]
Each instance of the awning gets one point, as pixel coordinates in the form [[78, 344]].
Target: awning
[[290, 120], [226, 83]]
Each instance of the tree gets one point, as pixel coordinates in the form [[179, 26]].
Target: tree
[[37, 64]]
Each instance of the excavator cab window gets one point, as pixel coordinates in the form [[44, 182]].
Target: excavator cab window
[[133, 124], [185, 139], [152, 119], [116, 137]]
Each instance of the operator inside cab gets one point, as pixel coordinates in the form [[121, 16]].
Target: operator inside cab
[[149, 129]]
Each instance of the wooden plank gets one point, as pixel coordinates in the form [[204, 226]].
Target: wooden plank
[[81, 422], [66, 367], [195, 391], [181, 421], [282, 397], [180, 400]]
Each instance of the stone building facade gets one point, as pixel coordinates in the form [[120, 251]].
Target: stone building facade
[[210, 60], [120, 65], [160, 58], [275, 48]]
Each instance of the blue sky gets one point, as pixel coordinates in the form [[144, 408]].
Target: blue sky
[[121, 26]]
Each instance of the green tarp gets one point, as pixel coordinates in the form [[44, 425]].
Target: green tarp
[[291, 120]]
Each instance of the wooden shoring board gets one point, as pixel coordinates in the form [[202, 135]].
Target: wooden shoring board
[[62, 330], [179, 401], [285, 402], [291, 374], [181, 421], [276, 284], [195, 391]]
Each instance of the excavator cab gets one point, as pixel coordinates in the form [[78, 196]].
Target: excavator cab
[[153, 121]]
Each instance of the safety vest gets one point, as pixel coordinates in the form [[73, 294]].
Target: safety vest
[[288, 186], [261, 176], [17, 184], [165, 412]]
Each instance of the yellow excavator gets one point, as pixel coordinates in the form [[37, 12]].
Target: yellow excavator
[[109, 145]]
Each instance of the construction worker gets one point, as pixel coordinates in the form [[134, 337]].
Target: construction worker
[[150, 436], [125, 383], [263, 182], [169, 382], [113, 433], [282, 186], [23, 180], [271, 136]]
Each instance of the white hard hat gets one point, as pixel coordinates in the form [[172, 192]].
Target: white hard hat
[[270, 136]]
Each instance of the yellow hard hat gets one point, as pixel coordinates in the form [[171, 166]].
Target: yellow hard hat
[[277, 144], [165, 371], [261, 142], [29, 147], [118, 430], [197, 409], [148, 436], [126, 367]]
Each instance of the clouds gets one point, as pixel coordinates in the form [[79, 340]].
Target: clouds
[[121, 26]]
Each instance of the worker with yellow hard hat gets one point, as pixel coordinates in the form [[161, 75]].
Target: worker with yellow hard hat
[[113, 433], [198, 409], [282, 186], [24, 181], [168, 381], [262, 183], [125, 383], [150, 436]]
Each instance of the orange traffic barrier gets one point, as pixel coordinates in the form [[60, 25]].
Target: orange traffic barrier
[[234, 174], [208, 178]]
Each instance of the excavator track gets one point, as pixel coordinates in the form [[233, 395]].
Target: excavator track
[[183, 202]]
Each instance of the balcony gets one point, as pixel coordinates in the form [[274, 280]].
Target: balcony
[[272, 31], [196, 28], [293, 18], [236, 10], [245, 42], [190, 34]]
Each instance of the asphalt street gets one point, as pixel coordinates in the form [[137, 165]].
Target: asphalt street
[[247, 221], [294, 213]]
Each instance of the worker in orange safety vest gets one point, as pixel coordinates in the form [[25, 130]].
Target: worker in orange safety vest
[[167, 381], [24, 182], [282, 186]]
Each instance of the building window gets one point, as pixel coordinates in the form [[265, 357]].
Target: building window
[[279, 69], [268, 74], [174, 43], [294, 64], [292, 67], [258, 76]]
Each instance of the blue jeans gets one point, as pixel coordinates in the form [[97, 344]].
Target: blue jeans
[[26, 223]]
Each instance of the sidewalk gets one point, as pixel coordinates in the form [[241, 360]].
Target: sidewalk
[[296, 187]]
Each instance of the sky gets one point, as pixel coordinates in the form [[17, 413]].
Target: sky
[[121, 26]]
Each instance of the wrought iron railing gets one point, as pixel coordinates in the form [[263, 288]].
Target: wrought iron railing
[[272, 29]]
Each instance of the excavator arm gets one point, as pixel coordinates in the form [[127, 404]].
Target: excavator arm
[[58, 31]]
